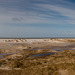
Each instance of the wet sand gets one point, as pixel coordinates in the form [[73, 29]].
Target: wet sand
[[13, 46]]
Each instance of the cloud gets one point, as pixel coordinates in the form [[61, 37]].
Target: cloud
[[25, 17], [68, 13], [18, 19], [36, 11]]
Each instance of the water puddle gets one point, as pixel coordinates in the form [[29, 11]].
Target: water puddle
[[72, 49], [59, 50], [5, 54], [40, 48], [44, 54], [56, 48]]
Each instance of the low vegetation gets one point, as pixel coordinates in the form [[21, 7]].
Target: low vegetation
[[62, 63]]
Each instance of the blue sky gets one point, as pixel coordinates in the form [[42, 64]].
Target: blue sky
[[37, 18]]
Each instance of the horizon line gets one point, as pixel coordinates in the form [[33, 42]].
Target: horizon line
[[37, 37]]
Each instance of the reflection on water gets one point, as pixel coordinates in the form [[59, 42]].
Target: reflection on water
[[58, 48], [72, 49], [4, 54], [44, 54], [40, 48]]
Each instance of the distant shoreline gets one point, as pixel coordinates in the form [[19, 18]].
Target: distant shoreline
[[37, 37]]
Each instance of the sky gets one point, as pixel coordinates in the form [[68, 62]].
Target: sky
[[37, 18]]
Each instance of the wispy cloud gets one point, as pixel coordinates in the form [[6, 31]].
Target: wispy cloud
[[18, 19], [43, 11]]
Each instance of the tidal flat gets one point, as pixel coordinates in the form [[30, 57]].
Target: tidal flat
[[37, 56]]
